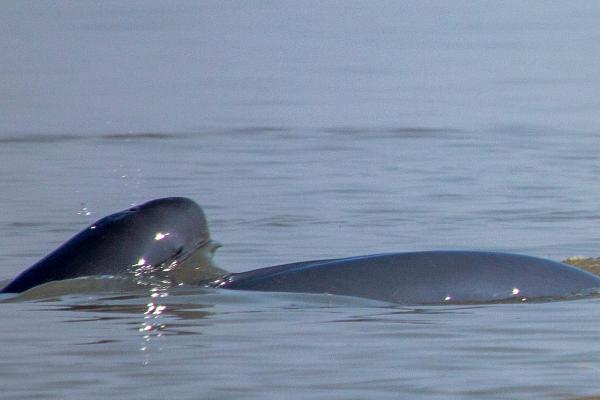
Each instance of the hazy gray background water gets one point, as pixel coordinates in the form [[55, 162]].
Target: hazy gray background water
[[306, 130]]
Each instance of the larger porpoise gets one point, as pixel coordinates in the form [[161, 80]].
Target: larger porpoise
[[171, 235], [427, 277]]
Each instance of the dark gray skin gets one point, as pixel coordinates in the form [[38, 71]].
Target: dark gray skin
[[171, 237], [430, 277], [136, 241]]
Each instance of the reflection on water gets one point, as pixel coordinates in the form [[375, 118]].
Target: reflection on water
[[154, 317], [424, 351]]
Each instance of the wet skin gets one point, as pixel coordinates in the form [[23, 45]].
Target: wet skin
[[155, 233], [166, 234], [429, 277]]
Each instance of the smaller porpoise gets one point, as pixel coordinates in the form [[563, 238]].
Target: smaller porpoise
[[167, 237]]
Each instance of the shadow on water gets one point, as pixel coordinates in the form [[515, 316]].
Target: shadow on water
[[52, 138], [399, 132], [151, 313], [283, 132], [157, 314], [111, 298], [39, 139], [139, 136]]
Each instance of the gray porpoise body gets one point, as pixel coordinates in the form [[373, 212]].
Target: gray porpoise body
[[163, 231], [156, 232], [429, 277]]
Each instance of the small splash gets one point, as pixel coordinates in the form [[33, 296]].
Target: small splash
[[84, 210]]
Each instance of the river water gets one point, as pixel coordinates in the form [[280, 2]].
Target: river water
[[306, 130]]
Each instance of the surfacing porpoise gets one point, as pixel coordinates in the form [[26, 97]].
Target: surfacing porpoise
[[162, 239], [169, 238]]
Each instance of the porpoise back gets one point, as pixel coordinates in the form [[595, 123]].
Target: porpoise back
[[430, 277]]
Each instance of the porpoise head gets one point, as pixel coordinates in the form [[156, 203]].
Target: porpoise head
[[170, 224], [166, 238], [178, 244]]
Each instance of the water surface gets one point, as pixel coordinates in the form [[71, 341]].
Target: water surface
[[306, 131]]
